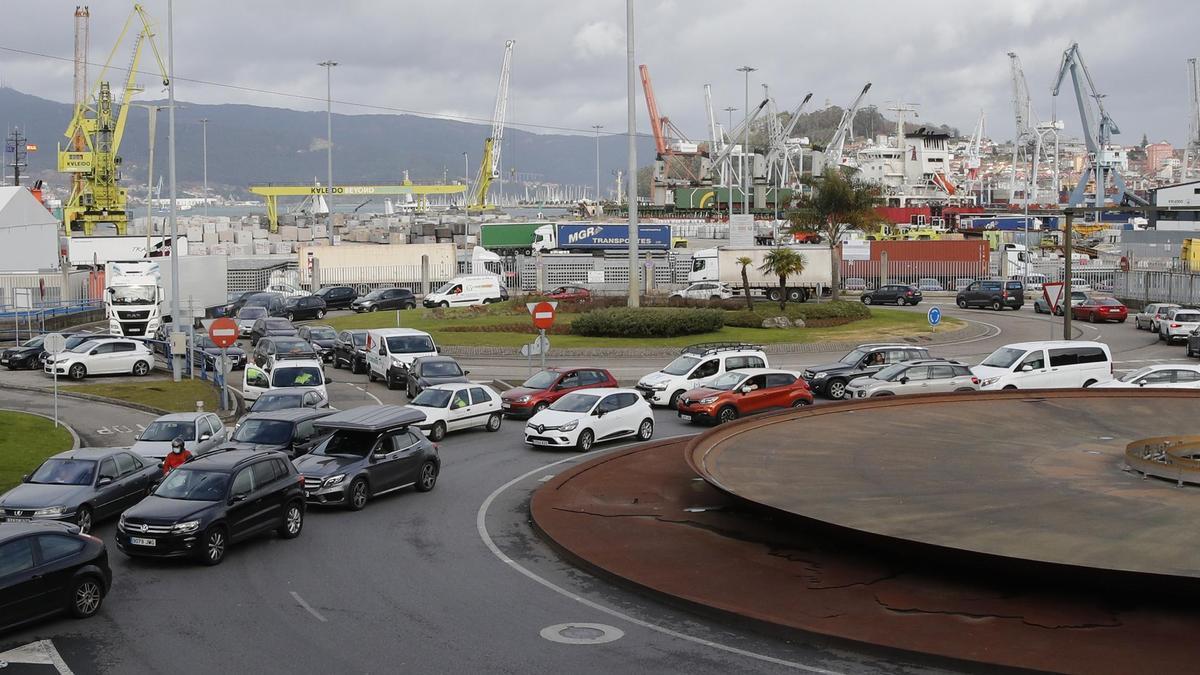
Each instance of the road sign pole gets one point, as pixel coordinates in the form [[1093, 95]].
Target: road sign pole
[[541, 341], [55, 395], [224, 368]]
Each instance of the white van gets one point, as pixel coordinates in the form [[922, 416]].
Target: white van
[[1060, 364], [390, 352], [293, 373], [479, 289]]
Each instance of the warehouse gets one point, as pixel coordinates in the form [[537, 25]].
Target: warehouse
[[29, 232]]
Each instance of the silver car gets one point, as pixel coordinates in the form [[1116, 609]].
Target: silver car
[[1147, 319], [1178, 324], [923, 376], [201, 433]]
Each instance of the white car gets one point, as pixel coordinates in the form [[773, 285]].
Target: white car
[[286, 290], [102, 356], [697, 366], [201, 433], [246, 317], [450, 407], [1080, 284], [589, 416], [1178, 324], [302, 374], [1161, 376], [707, 290], [1053, 364]]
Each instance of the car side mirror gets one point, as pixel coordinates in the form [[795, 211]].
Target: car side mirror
[[25, 478], [1141, 383], [1026, 368], [104, 480], [439, 349], [904, 380], [466, 372], [598, 413], [205, 436]]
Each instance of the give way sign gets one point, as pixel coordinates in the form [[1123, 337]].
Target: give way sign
[[543, 313]]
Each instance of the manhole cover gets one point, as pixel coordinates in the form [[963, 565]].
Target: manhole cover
[[582, 633]]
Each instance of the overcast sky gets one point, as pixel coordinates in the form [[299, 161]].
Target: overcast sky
[[569, 60]]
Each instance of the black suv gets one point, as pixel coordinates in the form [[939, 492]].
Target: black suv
[[212, 501], [830, 379], [371, 450], [385, 298], [289, 431], [899, 294], [272, 326], [337, 297], [304, 307], [268, 350], [321, 338], [350, 349], [994, 293]]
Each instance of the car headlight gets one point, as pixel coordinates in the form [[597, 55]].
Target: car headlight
[[706, 401], [186, 527], [334, 480], [49, 512], [523, 399], [121, 522], [570, 426], [820, 376], [989, 381]]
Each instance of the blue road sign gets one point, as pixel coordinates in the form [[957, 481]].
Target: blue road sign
[[935, 316]]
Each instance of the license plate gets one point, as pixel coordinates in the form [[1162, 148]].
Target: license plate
[[538, 441], [506, 406], [3, 360], [686, 418], [14, 519], [138, 541]]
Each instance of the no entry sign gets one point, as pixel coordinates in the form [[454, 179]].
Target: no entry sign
[[224, 332], [543, 313]]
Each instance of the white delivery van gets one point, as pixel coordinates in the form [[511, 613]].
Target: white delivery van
[[1060, 364], [479, 289], [391, 351]]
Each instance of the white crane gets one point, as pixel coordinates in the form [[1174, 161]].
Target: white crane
[[1192, 153], [836, 147], [972, 160], [780, 152], [1030, 138], [489, 165]]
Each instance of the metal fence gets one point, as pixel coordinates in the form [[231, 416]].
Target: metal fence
[[1143, 287]]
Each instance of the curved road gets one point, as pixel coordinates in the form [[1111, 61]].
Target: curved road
[[450, 580]]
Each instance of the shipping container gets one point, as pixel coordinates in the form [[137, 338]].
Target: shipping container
[[966, 250]]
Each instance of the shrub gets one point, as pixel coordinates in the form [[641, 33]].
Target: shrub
[[648, 322], [815, 315]]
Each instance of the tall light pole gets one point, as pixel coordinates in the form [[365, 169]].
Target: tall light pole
[[746, 142], [597, 128], [328, 65], [153, 112], [729, 110], [634, 299], [204, 129], [177, 358]]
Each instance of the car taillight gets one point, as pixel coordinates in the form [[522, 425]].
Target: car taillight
[[1004, 294], [974, 380], [1174, 325]]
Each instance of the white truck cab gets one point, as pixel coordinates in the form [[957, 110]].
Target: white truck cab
[[391, 351], [133, 298], [465, 291], [696, 366], [298, 373]]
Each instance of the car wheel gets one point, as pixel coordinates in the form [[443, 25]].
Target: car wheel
[[83, 518], [390, 381], [86, 595], [77, 372], [801, 402], [437, 432], [337, 363], [359, 494], [645, 430], [540, 407], [141, 368], [1092, 318], [494, 421], [866, 299], [293, 521], [997, 305], [836, 389], [900, 302], [727, 414], [215, 542], [291, 316], [320, 314], [370, 374], [1088, 383], [410, 305], [1037, 309], [429, 476], [673, 402], [374, 308], [962, 303], [444, 305], [585, 440]]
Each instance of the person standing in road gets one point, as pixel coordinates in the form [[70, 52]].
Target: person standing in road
[[177, 456]]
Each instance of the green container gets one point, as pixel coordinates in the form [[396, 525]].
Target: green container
[[502, 237]]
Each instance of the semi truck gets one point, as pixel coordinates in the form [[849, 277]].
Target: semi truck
[[137, 301], [586, 237], [720, 265], [508, 238], [100, 250]]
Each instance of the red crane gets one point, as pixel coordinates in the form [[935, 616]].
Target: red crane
[[678, 146]]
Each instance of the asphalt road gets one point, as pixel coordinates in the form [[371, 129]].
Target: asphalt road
[[452, 580]]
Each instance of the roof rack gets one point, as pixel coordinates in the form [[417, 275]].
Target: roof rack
[[705, 348], [308, 356]]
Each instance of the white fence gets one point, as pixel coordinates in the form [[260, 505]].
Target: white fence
[[1148, 286]]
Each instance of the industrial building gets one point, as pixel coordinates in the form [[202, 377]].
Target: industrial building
[[29, 232]]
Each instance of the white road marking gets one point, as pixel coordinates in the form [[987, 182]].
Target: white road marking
[[547, 478], [308, 608], [364, 390], [481, 526], [42, 653]]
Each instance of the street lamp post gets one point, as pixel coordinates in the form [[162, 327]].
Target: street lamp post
[[328, 66], [729, 183], [177, 358], [153, 112], [597, 128], [204, 130], [634, 299], [746, 142]]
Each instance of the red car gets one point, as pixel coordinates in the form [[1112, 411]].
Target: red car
[[744, 392], [570, 294], [1100, 309], [546, 387]]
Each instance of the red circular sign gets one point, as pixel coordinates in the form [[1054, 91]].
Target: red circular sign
[[224, 332], [543, 315]]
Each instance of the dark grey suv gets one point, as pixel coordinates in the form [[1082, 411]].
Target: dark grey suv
[[994, 293], [830, 379]]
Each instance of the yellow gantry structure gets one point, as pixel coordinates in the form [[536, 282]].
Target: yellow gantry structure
[[272, 193]]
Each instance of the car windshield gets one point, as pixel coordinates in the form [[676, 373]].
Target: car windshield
[[441, 369], [162, 430], [296, 376], [410, 344], [890, 373], [445, 288], [193, 485], [1112, 302], [322, 333], [294, 346], [268, 402], [681, 365], [853, 357], [279, 324], [347, 444], [1131, 376], [35, 342], [267, 432], [575, 403], [373, 295], [1003, 357], [64, 472], [76, 340], [432, 398], [252, 312], [360, 339], [1186, 316], [542, 380], [134, 295], [83, 346], [728, 381]]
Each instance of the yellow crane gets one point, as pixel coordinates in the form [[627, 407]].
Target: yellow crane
[[489, 164], [96, 130]]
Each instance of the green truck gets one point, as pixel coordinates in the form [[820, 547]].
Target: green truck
[[508, 238]]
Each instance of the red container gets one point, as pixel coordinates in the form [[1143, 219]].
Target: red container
[[950, 250]]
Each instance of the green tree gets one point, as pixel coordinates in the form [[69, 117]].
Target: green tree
[[783, 262], [836, 205], [746, 262]]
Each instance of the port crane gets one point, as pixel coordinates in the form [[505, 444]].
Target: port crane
[[972, 160], [489, 165], [781, 155], [835, 149], [1192, 154], [97, 127], [675, 154], [1096, 134]]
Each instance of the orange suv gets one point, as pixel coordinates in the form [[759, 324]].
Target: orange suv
[[744, 392]]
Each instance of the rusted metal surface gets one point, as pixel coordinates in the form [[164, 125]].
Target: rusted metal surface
[[1174, 458]]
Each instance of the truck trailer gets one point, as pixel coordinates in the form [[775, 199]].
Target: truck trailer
[[588, 237], [137, 300], [100, 250], [372, 265], [508, 238], [720, 265]]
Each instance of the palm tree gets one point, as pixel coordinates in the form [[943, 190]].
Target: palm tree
[[746, 262], [836, 205], [782, 262]]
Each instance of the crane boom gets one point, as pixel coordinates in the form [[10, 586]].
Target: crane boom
[[728, 149], [489, 164], [1193, 144], [656, 122], [837, 144]]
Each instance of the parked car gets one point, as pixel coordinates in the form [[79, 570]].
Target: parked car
[[337, 297], [269, 350], [1160, 376], [322, 338], [50, 568], [1100, 309], [1148, 317], [272, 302], [855, 284], [369, 451], [25, 356], [102, 356], [73, 341], [744, 392], [293, 373], [247, 316], [696, 366], [538, 392], [1052, 364], [1159, 315], [830, 379], [210, 502], [707, 290], [82, 486], [385, 298], [201, 433], [588, 416], [283, 399], [303, 307], [465, 291], [994, 293], [569, 294], [350, 350], [237, 300], [391, 352], [1178, 324], [286, 290], [272, 326], [920, 376], [929, 284], [1040, 306], [961, 283], [1080, 284], [207, 351], [289, 431], [888, 294], [450, 407], [1033, 281], [430, 370]]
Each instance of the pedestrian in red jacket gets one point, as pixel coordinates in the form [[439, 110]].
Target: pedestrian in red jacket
[[177, 456]]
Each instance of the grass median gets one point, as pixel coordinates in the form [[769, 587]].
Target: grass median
[[171, 396], [26, 441]]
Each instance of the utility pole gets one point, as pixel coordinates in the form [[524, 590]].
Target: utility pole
[[17, 141], [466, 181], [204, 130], [1068, 249], [176, 359], [152, 110], [597, 128], [630, 133], [328, 65], [746, 142], [730, 111]]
